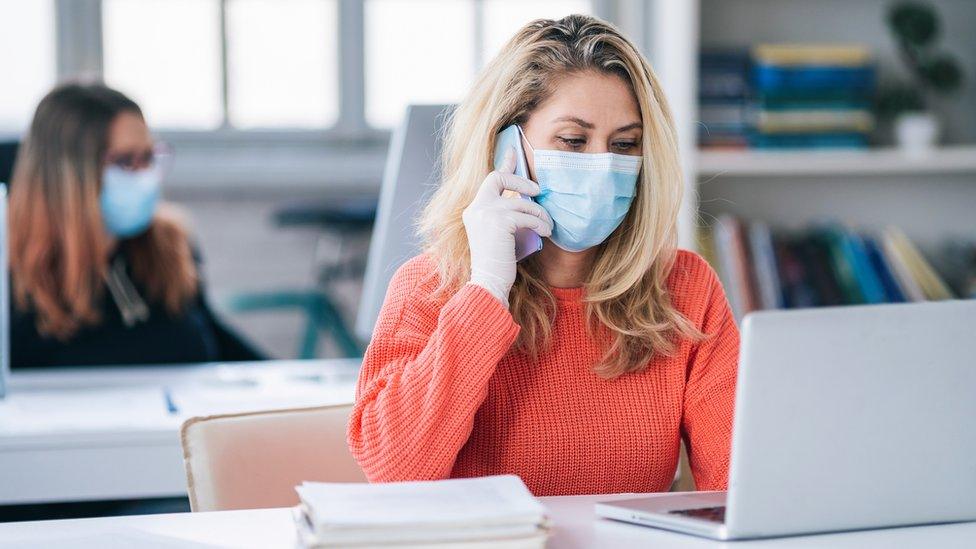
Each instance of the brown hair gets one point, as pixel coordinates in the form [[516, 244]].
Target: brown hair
[[58, 244], [626, 289]]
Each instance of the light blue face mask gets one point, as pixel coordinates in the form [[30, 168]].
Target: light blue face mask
[[586, 194], [128, 199]]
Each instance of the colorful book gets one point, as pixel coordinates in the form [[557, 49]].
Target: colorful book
[[811, 79], [864, 273], [932, 286], [841, 55], [768, 285], [809, 141], [893, 291], [815, 120]]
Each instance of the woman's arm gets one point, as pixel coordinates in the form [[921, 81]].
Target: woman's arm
[[710, 391], [424, 376]]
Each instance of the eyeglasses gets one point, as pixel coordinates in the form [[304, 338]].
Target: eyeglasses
[[160, 154]]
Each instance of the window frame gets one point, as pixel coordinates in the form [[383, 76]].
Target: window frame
[[78, 35]]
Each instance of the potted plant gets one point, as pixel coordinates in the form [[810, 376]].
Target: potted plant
[[915, 28]]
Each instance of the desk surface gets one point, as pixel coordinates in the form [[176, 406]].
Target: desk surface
[[81, 434], [575, 526]]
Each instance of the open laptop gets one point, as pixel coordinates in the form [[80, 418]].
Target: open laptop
[[847, 418]]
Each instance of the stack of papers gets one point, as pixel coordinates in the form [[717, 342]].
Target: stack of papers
[[496, 511]]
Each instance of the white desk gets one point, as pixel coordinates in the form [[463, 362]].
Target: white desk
[[575, 526], [83, 434]]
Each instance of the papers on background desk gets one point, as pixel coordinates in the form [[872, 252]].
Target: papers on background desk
[[202, 399], [493, 511], [82, 409]]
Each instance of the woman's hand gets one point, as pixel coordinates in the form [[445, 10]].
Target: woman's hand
[[490, 222]]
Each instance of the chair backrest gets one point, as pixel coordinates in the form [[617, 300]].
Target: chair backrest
[[255, 460]]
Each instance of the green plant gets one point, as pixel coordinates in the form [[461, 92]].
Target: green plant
[[915, 28]]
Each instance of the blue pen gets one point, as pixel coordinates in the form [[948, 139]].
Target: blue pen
[[170, 405]]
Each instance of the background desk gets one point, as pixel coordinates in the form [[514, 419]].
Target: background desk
[[575, 526], [85, 434]]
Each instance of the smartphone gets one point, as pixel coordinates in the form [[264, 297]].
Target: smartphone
[[527, 241]]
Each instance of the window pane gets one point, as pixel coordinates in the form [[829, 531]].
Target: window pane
[[27, 59], [416, 52], [504, 17], [282, 63], [166, 55]]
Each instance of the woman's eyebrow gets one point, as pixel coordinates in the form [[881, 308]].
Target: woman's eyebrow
[[575, 120], [631, 126]]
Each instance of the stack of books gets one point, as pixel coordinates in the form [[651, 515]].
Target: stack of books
[[470, 513], [822, 266], [812, 96], [724, 99]]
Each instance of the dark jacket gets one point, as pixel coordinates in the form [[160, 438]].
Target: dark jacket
[[196, 335]]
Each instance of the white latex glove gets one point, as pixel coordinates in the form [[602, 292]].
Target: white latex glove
[[490, 222]]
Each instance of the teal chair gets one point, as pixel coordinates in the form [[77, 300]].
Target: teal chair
[[350, 217], [321, 316]]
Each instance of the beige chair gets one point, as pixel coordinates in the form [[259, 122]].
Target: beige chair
[[255, 460]]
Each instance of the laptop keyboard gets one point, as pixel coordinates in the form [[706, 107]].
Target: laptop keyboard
[[711, 514]]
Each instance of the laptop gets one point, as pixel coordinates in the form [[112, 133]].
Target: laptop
[[847, 418]]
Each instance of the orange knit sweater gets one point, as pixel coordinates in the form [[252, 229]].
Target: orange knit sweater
[[444, 393]]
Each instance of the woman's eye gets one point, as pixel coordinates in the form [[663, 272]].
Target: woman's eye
[[572, 142], [625, 146]]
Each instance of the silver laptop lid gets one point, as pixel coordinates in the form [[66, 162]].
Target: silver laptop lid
[[854, 417]]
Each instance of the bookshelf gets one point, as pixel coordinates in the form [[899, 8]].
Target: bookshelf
[[932, 196], [929, 197], [955, 159]]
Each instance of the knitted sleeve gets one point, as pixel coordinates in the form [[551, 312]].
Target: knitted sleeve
[[424, 375], [710, 391]]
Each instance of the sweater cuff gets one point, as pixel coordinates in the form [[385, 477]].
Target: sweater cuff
[[475, 306]]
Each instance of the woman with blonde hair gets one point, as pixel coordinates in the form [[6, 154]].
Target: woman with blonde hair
[[102, 272], [583, 366]]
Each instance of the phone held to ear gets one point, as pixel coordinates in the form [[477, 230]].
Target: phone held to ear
[[527, 241]]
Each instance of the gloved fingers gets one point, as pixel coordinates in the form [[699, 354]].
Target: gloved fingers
[[496, 182], [529, 207], [521, 220]]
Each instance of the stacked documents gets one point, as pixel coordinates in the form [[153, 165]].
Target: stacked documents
[[493, 511]]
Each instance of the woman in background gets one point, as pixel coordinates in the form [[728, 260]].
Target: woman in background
[[102, 273]]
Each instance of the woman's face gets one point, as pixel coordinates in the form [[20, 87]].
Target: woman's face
[[589, 112], [130, 146]]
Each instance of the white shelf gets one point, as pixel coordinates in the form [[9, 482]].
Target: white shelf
[[753, 163]]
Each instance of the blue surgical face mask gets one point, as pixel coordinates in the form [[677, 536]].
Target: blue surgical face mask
[[587, 195], [129, 199]]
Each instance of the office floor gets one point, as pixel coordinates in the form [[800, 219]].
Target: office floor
[[244, 252]]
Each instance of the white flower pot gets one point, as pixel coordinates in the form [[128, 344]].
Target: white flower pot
[[917, 132]]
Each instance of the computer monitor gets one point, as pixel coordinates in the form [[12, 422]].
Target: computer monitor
[[409, 176], [4, 296]]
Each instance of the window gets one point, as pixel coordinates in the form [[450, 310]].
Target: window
[[27, 61], [165, 54], [504, 17], [428, 51], [292, 65], [282, 67], [204, 64], [416, 52]]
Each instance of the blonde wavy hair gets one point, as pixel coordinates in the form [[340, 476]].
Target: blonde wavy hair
[[626, 294]]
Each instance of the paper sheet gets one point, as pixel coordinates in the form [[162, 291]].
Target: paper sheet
[[39, 412]]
